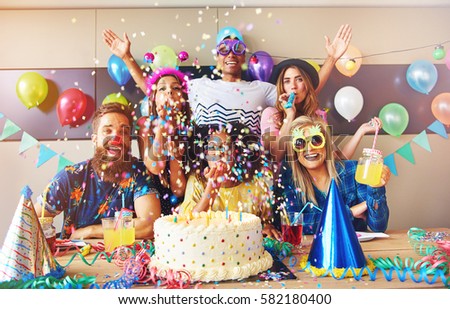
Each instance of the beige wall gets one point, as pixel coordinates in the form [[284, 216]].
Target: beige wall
[[419, 196]]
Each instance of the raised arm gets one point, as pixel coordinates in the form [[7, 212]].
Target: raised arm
[[335, 51], [122, 49], [368, 127], [275, 139]]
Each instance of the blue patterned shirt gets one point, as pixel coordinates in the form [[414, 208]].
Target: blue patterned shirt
[[85, 198], [352, 194]]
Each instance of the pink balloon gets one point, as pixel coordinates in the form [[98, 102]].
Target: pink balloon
[[149, 57], [441, 107], [183, 56], [71, 106], [447, 60]]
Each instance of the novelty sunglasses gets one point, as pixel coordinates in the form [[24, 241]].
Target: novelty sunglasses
[[236, 46], [316, 141]]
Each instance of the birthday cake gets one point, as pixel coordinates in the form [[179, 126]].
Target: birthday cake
[[211, 247]]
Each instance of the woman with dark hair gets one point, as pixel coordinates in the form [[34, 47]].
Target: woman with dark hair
[[297, 79], [163, 134], [225, 173]]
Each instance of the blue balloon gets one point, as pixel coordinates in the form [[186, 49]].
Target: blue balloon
[[228, 32], [422, 76], [260, 66], [145, 107], [118, 71]]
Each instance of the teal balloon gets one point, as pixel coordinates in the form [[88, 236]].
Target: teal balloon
[[422, 76], [395, 118], [118, 70], [228, 32]]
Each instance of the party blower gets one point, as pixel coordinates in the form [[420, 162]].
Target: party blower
[[290, 100]]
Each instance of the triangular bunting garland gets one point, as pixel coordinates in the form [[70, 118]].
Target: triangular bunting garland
[[9, 129], [27, 142], [439, 128], [389, 161], [63, 162], [422, 140], [45, 154], [406, 152]]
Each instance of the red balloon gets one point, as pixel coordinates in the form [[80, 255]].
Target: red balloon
[[71, 106]]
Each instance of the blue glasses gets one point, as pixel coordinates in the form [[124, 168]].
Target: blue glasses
[[236, 46]]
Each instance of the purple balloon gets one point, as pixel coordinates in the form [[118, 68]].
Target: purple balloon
[[260, 66]]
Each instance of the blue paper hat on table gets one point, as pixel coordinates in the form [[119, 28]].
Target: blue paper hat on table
[[25, 253], [335, 244]]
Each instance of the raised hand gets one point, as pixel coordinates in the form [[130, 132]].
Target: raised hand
[[283, 98], [117, 46], [176, 152], [371, 126], [340, 43]]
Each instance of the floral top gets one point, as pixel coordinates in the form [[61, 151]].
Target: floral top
[[85, 198]]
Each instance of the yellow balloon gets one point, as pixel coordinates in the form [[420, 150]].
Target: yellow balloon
[[350, 65], [32, 89], [314, 64], [115, 98], [350, 62]]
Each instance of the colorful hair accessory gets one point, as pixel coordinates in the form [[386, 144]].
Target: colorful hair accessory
[[151, 81]]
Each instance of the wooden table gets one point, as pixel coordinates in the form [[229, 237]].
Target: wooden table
[[396, 244]]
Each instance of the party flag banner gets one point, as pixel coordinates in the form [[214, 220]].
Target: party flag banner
[[27, 142], [422, 140], [389, 161], [438, 128], [63, 162], [45, 154], [406, 152], [9, 129]]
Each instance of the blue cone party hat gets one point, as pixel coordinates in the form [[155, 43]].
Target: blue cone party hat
[[335, 243]]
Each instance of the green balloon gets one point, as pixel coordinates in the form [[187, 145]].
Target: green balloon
[[395, 118], [115, 98], [165, 57]]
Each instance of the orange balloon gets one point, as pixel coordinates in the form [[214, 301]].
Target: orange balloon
[[441, 107], [351, 54]]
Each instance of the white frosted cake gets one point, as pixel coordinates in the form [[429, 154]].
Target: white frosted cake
[[211, 247]]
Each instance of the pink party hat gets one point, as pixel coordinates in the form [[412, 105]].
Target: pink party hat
[[25, 253], [335, 244]]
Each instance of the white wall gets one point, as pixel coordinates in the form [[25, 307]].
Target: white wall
[[419, 196]]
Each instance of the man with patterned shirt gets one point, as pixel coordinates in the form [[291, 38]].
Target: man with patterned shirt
[[98, 187]]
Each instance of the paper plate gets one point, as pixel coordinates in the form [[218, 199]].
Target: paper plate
[[362, 238]]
